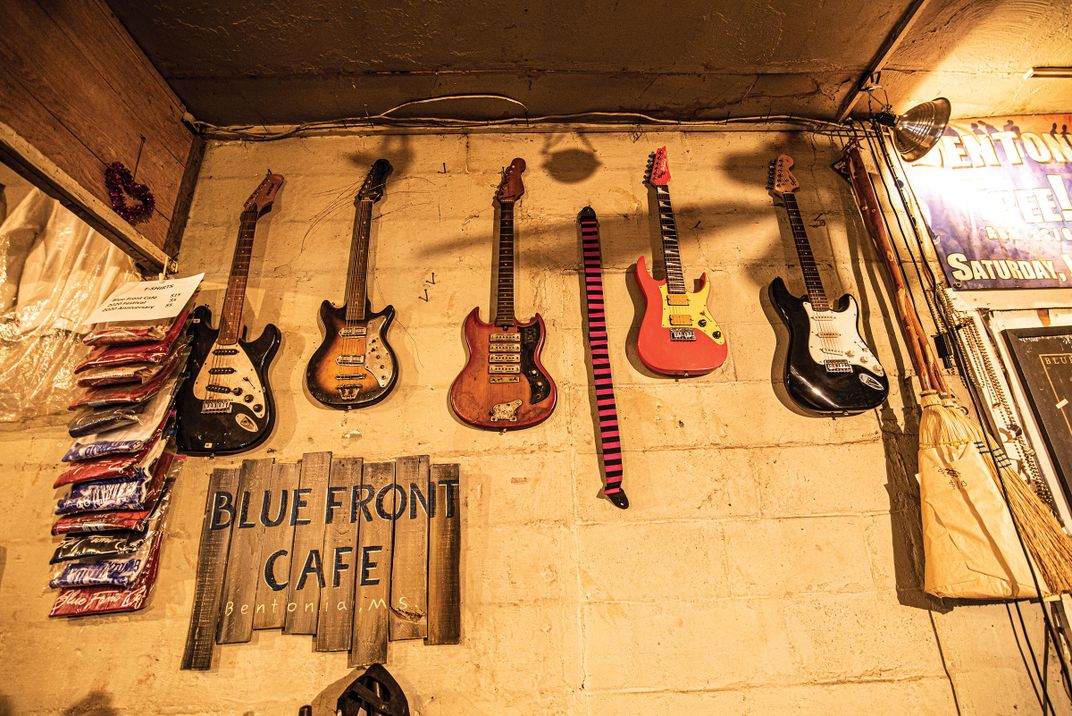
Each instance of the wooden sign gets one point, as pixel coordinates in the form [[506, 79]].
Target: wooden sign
[[353, 553]]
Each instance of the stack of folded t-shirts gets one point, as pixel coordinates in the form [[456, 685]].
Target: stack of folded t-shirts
[[119, 469]]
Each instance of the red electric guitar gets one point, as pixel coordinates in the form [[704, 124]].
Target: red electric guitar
[[503, 386], [677, 336]]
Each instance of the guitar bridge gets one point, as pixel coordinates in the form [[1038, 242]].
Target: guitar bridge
[[682, 334], [837, 366], [216, 406]]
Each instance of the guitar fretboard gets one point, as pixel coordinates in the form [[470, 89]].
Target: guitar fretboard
[[504, 292], [675, 281], [812, 281], [234, 301], [357, 272]]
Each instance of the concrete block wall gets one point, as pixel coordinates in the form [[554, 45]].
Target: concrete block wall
[[769, 563]]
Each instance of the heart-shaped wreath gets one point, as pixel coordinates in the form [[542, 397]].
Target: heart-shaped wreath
[[120, 184]]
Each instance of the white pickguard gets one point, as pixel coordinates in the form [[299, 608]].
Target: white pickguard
[[228, 367], [833, 336]]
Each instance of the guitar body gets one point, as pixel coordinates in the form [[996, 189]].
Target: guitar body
[[226, 405], [503, 385], [678, 340], [355, 366], [830, 370]]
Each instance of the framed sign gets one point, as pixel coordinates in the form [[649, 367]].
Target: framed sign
[[1043, 360], [997, 196]]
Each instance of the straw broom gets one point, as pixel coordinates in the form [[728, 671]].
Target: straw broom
[[945, 423]]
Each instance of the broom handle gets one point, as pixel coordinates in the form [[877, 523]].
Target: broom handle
[[923, 358]]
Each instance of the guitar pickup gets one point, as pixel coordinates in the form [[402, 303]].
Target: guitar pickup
[[213, 388], [349, 377], [680, 320], [504, 379], [506, 337], [225, 351], [216, 406], [677, 299], [505, 347], [352, 332], [350, 360], [221, 371], [493, 368], [504, 358], [682, 334]]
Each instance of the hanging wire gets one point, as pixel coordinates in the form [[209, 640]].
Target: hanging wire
[[956, 350]]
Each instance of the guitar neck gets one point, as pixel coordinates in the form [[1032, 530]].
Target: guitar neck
[[675, 281], [235, 299], [357, 273], [812, 281], [504, 292]]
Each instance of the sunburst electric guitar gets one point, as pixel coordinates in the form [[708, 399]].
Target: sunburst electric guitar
[[355, 365], [503, 385], [677, 335], [227, 407], [830, 369]]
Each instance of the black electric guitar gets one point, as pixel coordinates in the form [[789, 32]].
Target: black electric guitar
[[830, 369], [225, 406], [355, 365]]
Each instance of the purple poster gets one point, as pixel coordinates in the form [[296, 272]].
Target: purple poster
[[997, 196]]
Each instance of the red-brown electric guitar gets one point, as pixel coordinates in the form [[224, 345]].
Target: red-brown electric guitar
[[503, 386], [677, 336]]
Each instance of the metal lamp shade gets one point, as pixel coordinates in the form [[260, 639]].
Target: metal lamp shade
[[919, 129]]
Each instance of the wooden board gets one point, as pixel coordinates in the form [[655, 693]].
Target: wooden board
[[444, 560], [78, 89], [409, 569], [211, 564], [271, 604], [303, 617], [240, 584], [369, 644], [335, 627]]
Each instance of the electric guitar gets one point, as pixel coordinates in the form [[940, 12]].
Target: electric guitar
[[829, 368], [677, 335], [355, 365], [227, 406], [503, 385]]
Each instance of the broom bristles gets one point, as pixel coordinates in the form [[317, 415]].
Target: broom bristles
[[1049, 546]]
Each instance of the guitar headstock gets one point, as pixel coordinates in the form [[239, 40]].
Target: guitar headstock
[[511, 187], [780, 180], [658, 172], [261, 199], [376, 181]]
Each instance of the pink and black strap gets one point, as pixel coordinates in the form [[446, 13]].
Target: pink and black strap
[[606, 409]]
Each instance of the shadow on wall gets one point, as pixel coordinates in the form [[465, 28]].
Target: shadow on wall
[[96, 703]]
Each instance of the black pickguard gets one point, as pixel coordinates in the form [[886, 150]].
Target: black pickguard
[[218, 433], [809, 384], [539, 383]]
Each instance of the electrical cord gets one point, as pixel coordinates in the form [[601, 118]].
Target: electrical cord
[[248, 132]]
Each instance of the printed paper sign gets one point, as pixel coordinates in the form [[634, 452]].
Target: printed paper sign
[[147, 300], [997, 195]]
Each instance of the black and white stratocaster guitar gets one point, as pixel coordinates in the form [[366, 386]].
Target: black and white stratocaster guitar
[[225, 406], [830, 369]]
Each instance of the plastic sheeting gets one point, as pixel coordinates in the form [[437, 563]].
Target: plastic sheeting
[[54, 270]]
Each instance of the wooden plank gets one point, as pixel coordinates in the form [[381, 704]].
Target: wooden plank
[[444, 559], [58, 83], [211, 565], [334, 630], [240, 584], [309, 536], [374, 567], [112, 53], [271, 604], [185, 199], [409, 564]]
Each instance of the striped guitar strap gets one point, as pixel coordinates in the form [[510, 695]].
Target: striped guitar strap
[[611, 452]]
